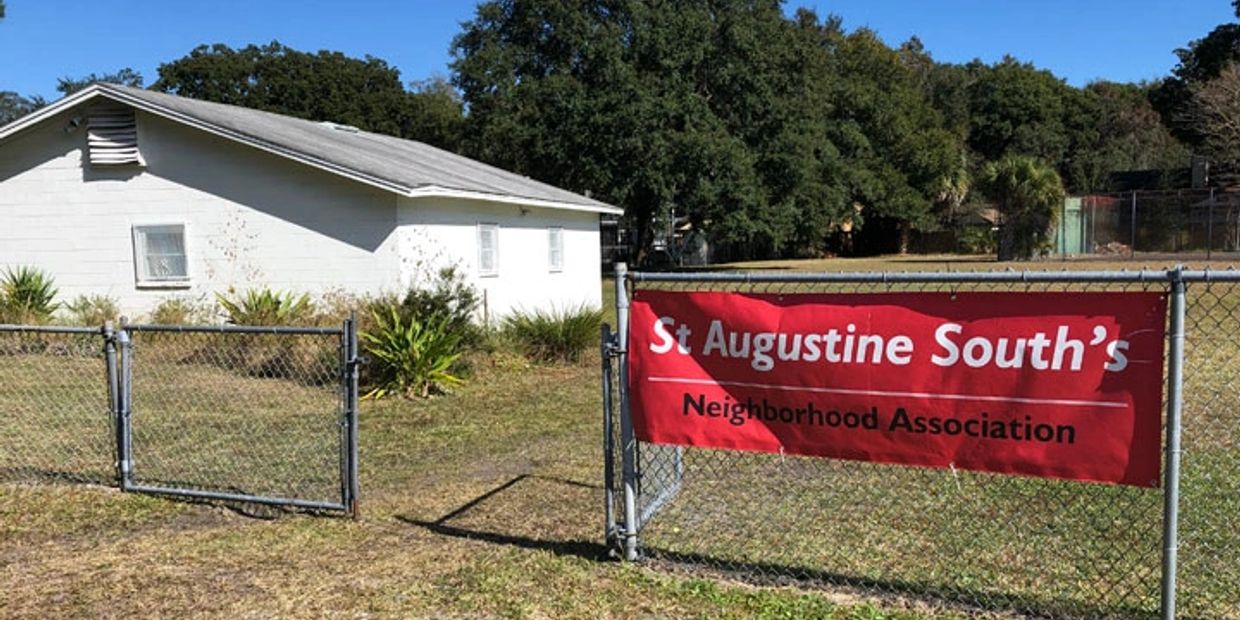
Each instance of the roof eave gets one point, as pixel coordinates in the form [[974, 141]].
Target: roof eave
[[48, 111], [436, 191]]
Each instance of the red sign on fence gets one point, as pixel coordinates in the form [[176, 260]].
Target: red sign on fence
[[1059, 385]]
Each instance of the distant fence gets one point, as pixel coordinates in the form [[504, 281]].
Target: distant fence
[[987, 543], [1204, 223], [264, 415]]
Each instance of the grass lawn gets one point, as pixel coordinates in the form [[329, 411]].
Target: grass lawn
[[488, 503]]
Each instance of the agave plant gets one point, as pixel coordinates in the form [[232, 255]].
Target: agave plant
[[27, 295], [266, 307], [411, 356]]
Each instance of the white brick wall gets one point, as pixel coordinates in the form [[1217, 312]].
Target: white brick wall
[[436, 232], [254, 219]]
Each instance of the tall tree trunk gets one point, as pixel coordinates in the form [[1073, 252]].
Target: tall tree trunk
[[906, 233]]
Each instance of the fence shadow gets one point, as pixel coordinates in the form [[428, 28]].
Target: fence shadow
[[560, 546], [52, 476], [925, 592]]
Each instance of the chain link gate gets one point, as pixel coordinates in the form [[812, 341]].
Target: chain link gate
[[990, 544], [261, 415]]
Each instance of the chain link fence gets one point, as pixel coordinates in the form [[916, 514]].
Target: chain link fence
[[990, 545], [1203, 223], [262, 415], [55, 422]]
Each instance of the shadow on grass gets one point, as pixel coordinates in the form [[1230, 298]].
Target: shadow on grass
[[577, 548], [51, 476], [968, 601]]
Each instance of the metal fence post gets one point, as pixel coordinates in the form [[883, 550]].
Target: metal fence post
[[124, 418], [114, 393], [1210, 224], [628, 444], [609, 446], [1171, 484], [351, 398]]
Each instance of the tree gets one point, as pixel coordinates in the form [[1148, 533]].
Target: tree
[[125, 77], [902, 161], [324, 86], [1016, 108], [689, 109], [1202, 61], [1028, 194], [14, 106], [1214, 111], [1123, 132]]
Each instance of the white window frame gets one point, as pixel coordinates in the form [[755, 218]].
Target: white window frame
[[493, 228], [555, 249], [142, 279]]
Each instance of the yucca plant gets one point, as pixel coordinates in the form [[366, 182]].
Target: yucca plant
[[27, 295], [558, 335], [411, 357], [266, 307]]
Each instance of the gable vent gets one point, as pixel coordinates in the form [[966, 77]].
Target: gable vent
[[112, 137]]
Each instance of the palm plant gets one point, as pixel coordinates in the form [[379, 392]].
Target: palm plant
[[1028, 193]]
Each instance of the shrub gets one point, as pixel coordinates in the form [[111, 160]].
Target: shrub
[[267, 307], [449, 299], [92, 310], [27, 295], [558, 335], [179, 311], [978, 240], [411, 356]]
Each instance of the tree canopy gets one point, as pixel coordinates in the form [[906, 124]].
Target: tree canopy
[[771, 134], [366, 93]]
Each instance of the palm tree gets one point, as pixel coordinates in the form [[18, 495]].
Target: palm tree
[[1028, 194]]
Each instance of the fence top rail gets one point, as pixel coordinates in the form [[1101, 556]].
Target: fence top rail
[[51, 329], [236, 329], [1144, 275]]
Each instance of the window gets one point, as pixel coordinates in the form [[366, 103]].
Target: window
[[555, 248], [488, 249], [159, 255]]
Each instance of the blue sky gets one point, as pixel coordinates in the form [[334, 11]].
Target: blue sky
[[1080, 40]]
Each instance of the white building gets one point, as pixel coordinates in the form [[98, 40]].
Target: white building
[[140, 195]]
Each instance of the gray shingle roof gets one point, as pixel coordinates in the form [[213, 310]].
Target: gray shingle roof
[[404, 165]]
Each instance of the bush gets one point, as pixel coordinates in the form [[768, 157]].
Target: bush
[[449, 299], [27, 295], [555, 336], [411, 356], [978, 240], [92, 310], [267, 308], [179, 311]]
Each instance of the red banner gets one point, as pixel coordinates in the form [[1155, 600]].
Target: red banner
[[1059, 385]]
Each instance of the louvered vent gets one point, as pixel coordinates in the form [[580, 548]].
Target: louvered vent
[[113, 138]]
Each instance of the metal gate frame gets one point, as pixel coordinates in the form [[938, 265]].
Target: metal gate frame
[[118, 353], [622, 531]]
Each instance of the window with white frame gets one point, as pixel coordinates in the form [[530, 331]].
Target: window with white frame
[[555, 248], [159, 255], [488, 249]]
